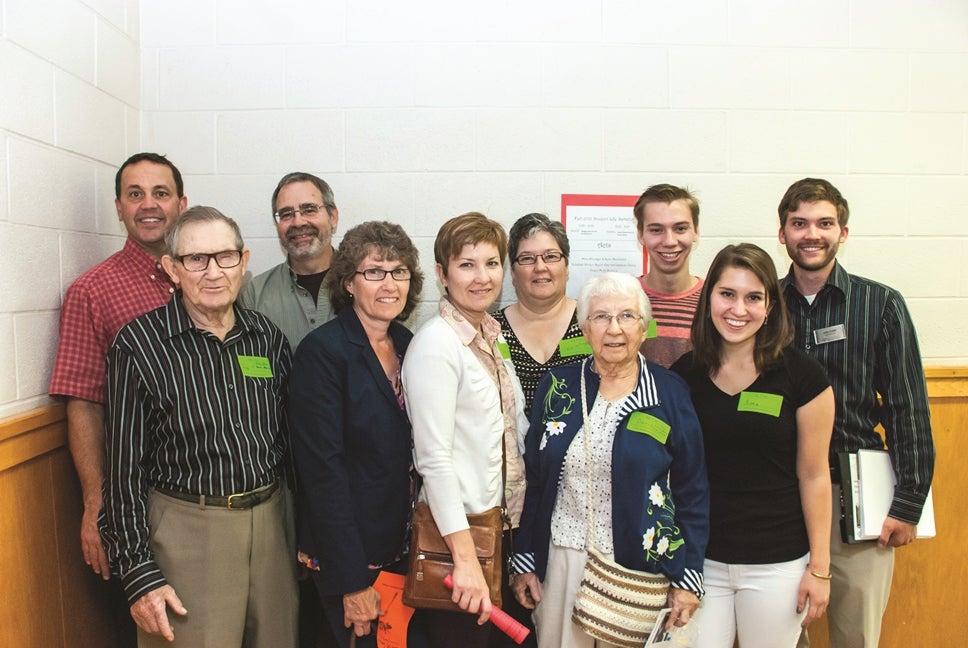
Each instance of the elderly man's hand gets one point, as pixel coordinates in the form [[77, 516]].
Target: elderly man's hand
[[150, 614]]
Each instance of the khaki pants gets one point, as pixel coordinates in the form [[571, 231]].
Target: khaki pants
[[234, 571], [859, 590]]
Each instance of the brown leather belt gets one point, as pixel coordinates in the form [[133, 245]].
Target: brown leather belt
[[236, 501]]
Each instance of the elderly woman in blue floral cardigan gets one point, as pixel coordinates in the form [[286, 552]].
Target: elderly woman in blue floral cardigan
[[649, 497]]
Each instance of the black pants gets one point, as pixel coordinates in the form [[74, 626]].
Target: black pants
[[510, 605]]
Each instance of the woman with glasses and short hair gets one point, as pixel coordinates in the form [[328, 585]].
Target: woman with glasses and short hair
[[614, 462], [541, 328], [351, 434]]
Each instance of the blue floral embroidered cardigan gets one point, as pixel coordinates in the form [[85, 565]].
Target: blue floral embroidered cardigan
[[660, 494]]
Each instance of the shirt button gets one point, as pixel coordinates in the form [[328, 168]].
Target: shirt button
[[312, 321], [231, 386], [152, 277], [171, 291]]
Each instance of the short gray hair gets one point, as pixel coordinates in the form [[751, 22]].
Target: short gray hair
[[200, 214], [613, 284]]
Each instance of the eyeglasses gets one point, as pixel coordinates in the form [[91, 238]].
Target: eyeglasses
[[308, 209], [552, 256], [379, 274], [625, 319], [199, 262]]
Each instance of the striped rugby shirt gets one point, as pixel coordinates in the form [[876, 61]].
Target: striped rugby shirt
[[187, 412], [673, 317], [878, 356]]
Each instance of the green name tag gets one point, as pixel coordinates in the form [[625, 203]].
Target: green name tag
[[255, 366], [574, 347], [504, 350], [648, 424], [653, 330], [760, 402]]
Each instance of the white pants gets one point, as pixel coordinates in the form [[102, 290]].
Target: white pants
[[552, 617], [757, 602]]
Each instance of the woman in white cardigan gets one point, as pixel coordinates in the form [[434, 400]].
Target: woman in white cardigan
[[466, 408]]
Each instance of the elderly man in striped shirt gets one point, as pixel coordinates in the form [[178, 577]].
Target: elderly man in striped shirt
[[196, 510]]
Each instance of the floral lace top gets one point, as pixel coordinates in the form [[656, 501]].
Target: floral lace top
[[569, 521]]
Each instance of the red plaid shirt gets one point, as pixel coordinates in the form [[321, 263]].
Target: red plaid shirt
[[102, 300]]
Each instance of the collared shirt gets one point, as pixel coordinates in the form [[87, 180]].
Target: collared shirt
[[129, 283], [486, 349], [862, 334], [187, 412], [276, 294]]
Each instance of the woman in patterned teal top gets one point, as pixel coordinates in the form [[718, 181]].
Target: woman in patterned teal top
[[540, 328]]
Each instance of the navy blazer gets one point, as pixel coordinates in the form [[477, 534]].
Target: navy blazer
[[352, 453]]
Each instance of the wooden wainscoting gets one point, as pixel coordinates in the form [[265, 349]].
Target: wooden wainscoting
[[50, 599], [929, 600]]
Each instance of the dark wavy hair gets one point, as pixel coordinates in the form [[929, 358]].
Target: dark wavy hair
[[811, 190], [777, 331], [529, 225], [387, 241]]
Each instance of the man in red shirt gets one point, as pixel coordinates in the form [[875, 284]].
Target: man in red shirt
[[149, 197]]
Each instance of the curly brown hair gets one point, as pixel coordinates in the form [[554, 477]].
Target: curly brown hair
[[386, 240]]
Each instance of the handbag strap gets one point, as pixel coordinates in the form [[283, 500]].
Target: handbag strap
[[590, 535]]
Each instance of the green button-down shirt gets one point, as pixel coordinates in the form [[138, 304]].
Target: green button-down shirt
[[275, 294]]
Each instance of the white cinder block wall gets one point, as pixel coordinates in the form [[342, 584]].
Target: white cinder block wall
[[69, 114], [422, 110]]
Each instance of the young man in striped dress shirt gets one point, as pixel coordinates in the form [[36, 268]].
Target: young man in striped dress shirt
[[667, 218], [862, 333]]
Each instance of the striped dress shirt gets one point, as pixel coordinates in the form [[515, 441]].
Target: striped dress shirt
[[876, 354], [187, 412]]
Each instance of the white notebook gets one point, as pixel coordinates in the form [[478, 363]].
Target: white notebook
[[874, 491]]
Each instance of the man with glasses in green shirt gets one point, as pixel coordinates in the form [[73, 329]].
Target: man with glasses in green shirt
[[305, 213]]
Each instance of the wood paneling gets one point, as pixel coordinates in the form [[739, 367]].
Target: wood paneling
[[50, 599], [929, 599]]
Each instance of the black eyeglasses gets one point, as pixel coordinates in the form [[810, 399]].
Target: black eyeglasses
[[379, 274], [199, 262], [307, 209], [552, 256]]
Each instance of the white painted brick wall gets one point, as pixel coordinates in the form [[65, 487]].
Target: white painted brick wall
[[418, 111]]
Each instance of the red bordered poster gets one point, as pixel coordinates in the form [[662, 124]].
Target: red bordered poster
[[602, 235]]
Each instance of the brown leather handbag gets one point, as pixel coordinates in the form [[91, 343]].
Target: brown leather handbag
[[430, 558]]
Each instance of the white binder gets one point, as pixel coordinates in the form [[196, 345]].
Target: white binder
[[872, 483]]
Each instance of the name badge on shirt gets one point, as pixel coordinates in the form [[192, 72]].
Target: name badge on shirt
[[830, 334], [760, 403], [255, 366], [574, 347], [650, 425], [504, 350], [653, 330]]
